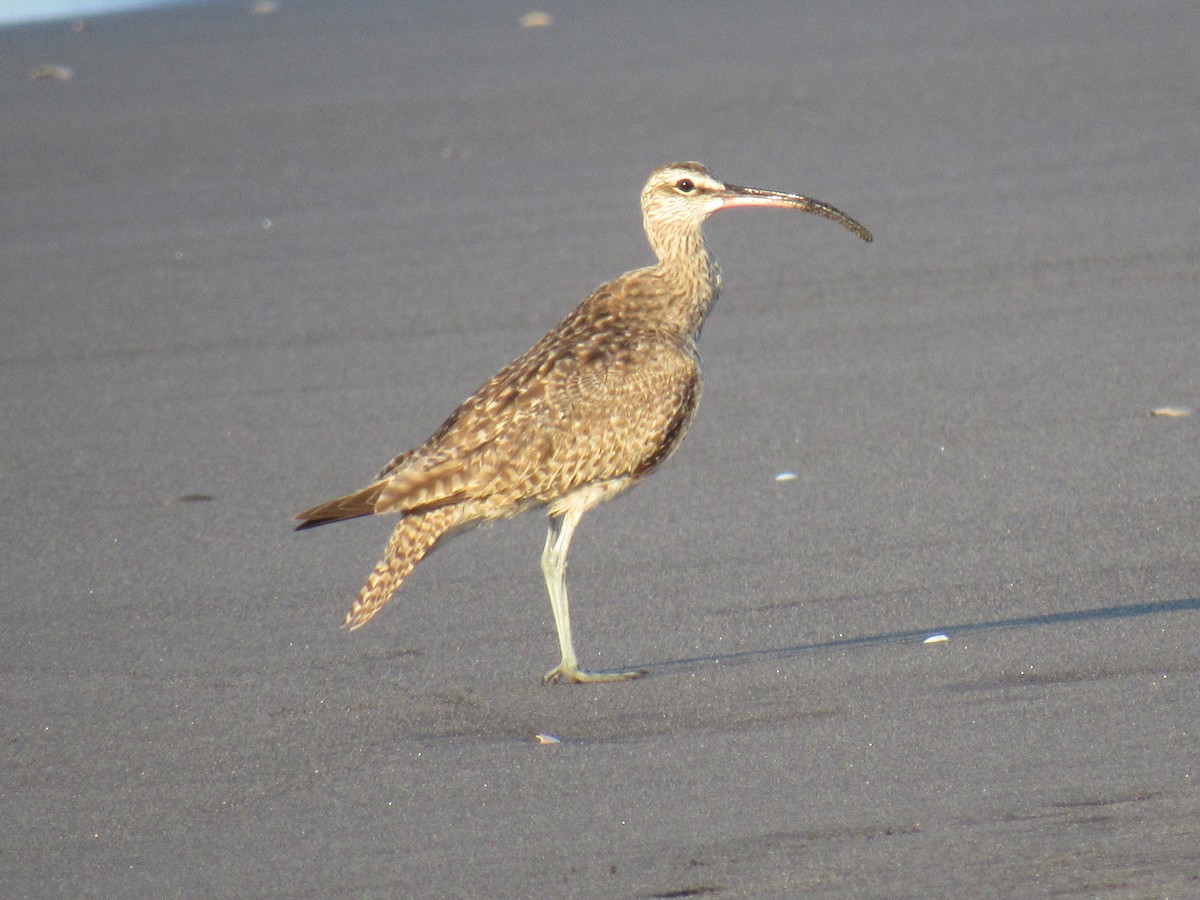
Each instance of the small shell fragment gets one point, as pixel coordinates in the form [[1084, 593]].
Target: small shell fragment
[[786, 476], [935, 639], [536, 19], [543, 738], [1171, 411], [51, 72]]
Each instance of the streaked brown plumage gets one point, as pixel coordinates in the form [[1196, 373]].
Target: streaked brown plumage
[[589, 411]]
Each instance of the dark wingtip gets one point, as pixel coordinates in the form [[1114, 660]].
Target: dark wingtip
[[309, 520], [310, 523], [352, 506]]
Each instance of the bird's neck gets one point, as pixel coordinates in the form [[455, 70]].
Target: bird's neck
[[692, 281]]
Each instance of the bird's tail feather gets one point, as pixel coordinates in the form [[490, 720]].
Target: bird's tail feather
[[412, 539]]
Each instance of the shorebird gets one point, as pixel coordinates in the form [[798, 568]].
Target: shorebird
[[589, 411]]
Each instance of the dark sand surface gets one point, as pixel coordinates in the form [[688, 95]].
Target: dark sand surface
[[247, 258]]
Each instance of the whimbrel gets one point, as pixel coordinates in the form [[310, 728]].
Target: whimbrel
[[589, 411]]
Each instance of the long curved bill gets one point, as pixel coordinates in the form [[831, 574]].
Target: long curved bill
[[745, 196]]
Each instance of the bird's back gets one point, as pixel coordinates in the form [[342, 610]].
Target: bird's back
[[605, 394]]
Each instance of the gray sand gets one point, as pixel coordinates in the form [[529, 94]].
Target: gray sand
[[246, 258]]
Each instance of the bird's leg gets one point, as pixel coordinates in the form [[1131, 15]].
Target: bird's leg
[[554, 568]]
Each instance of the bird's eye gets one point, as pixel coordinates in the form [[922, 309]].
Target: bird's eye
[[684, 186]]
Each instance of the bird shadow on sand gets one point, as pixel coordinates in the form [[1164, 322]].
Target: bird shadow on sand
[[746, 657]]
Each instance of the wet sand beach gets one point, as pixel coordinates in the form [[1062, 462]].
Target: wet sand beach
[[249, 252]]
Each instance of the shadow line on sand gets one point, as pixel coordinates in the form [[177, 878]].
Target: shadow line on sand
[[742, 657]]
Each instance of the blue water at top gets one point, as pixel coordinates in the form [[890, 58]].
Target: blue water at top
[[19, 12]]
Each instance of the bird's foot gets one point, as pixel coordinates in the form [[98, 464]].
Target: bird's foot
[[568, 672]]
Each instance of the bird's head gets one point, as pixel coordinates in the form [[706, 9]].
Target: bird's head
[[678, 198]]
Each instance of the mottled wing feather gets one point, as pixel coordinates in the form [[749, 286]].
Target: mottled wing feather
[[415, 489], [395, 463], [594, 408], [606, 395]]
